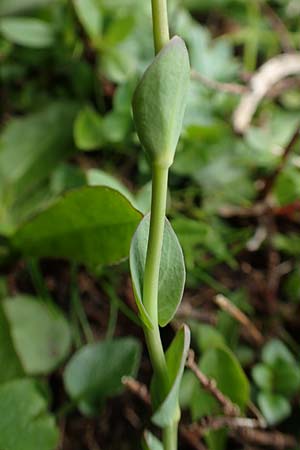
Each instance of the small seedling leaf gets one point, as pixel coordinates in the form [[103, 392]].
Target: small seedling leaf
[[95, 372], [171, 275], [40, 333]]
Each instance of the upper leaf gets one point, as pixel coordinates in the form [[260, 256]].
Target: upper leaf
[[171, 274], [159, 102], [93, 225]]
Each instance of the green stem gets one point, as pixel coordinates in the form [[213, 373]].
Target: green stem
[[170, 437], [151, 275], [160, 24]]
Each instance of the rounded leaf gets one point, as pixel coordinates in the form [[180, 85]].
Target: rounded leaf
[[159, 102], [171, 274]]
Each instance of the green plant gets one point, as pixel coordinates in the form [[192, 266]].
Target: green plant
[[157, 265]]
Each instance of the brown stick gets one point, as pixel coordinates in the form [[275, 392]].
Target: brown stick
[[271, 181], [229, 408], [273, 439], [225, 304]]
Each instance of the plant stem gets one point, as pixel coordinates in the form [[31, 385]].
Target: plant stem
[[160, 24], [151, 275], [170, 437]]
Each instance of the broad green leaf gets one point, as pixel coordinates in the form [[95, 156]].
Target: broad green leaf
[[283, 371], [26, 31], [171, 276], [274, 351], [16, 6], [95, 372], [40, 333], [93, 225], [150, 442], [43, 143], [25, 423], [9, 362], [263, 376], [221, 365], [88, 131], [274, 407], [207, 337], [90, 16], [159, 102], [97, 177], [120, 28], [167, 410]]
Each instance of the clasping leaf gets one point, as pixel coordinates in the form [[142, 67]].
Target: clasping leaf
[[159, 102]]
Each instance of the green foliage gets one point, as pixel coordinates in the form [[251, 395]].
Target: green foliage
[[26, 425], [150, 442], [40, 333], [95, 372], [172, 272], [166, 409], [278, 378], [28, 32], [159, 102], [100, 238]]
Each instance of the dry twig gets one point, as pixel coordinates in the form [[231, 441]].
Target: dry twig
[[229, 408], [225, 304]]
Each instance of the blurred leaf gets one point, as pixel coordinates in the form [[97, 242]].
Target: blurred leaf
[[287, 243], [9, 361], [275, 351], [16, 6], [150, 442], [287, 186], [26, 425], [93, 225], [166, 410], [95, 372], [263, 376], [43, 143], [207, 337], [221, 365], [26, 31], [90, 16], [119, 29], [40, 333], [97, 177], [283, 371], [88, 131], [275, 408], [171, 276]]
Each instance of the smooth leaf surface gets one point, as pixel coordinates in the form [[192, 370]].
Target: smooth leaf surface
[[171, 275], [150, 442], [40, 333], [10, 366], [95, 372], [43, 143], [220, 364], [274, 407], [26, 31], [90, 16], [26, 424], [97, 177], [93, 225], [16, 6], [160, 99], [166, 412], [88, 129]]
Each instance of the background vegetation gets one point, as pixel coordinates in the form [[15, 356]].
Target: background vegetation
[[68, 330]]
